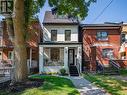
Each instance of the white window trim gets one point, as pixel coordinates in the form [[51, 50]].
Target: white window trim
[[1, 40], [12, 55], [1, 55]]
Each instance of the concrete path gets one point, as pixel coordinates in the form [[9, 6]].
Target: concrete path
[[85, 87]]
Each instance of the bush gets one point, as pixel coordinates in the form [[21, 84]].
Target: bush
[[63, 71]]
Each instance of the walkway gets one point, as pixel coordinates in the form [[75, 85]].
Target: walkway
[[85, 87]]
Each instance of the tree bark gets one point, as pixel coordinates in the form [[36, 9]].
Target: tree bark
[[19, 41]]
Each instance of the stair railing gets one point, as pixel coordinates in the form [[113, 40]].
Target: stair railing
[[99, 67], [78, 65], [114, 64]]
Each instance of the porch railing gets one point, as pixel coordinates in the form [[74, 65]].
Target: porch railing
[[78, 65], [114, 64]]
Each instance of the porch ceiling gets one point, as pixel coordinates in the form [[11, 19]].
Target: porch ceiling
[[60, 44]]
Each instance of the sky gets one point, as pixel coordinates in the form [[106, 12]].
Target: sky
[[115, 12]]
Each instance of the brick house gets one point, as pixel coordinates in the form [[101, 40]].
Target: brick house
[[123, 49], [101, 42], [33, 38]]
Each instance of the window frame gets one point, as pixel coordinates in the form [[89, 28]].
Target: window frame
[[125, 35], [1, 55], [52, 35], [57, 51], [102, 37], [65, 33], [12, 56], [108, 50]]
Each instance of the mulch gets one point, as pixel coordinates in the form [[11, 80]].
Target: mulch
[[21, 86]]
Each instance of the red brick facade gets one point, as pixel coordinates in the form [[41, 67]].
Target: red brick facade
[[93, 48], [32, 40]]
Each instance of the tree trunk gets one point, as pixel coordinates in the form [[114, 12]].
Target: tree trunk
[[19, 41]]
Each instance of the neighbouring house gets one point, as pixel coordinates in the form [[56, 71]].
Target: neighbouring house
[[101, 43], [32, 40], [60, 47], [123, 49]]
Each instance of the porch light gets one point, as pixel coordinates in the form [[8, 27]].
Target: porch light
[[6, 7]]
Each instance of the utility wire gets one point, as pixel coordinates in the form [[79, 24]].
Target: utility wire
[[103, 10]]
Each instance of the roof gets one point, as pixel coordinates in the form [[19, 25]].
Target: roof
[[49, 18], [100, 26]]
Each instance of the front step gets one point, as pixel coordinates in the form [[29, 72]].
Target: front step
[[73, 71]]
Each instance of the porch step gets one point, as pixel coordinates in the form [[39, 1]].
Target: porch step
[[73, 71]]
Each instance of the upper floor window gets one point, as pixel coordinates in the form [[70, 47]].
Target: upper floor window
[[0, 55], [10, 55], [1, 31], [123, 37], [67, 35], [108, 53], [53, 35], [102, 35], [1, 40]]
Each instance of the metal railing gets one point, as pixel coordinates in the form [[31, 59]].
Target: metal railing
[[99, 67], [78, 65], [114, 64]]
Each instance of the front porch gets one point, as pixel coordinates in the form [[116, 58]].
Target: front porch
[[53, 57]]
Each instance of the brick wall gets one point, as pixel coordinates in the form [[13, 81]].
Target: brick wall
[[90, 40]]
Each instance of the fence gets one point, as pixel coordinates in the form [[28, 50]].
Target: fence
[[6, 72]]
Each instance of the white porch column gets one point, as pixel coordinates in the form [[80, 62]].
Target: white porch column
[[79, 57], [40, 59], [30, 56], [66, 59]]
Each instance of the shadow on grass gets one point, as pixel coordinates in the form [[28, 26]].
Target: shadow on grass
[[112, 85], [52, 86], [52, 82]]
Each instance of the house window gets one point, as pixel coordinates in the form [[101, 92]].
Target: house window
[[123, 37], [123, 55], [108, 53], [1, 40], [0, 55], [1, 31], [102, 36], [53, 35], [55, 54], [67, 35], [10, 55]]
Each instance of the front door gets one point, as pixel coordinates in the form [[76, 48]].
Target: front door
[[71, 56]]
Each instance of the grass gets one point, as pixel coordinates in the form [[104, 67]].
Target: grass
[[123, 72], [110, 84], [52, 86]]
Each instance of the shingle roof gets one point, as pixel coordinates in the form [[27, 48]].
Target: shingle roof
[[49, 18]]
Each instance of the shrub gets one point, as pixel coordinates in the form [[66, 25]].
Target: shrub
[[63, 71]]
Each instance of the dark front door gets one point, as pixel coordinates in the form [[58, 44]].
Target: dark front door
[[71, 56]]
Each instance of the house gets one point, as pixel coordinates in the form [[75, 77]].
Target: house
[[101, 43], [60, 47], [123, 49], [32, 40]]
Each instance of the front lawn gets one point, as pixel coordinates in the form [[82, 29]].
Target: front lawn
[[109, 83], [52, 86]]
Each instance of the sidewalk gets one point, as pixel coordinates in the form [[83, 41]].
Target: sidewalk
[[85, 87]]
